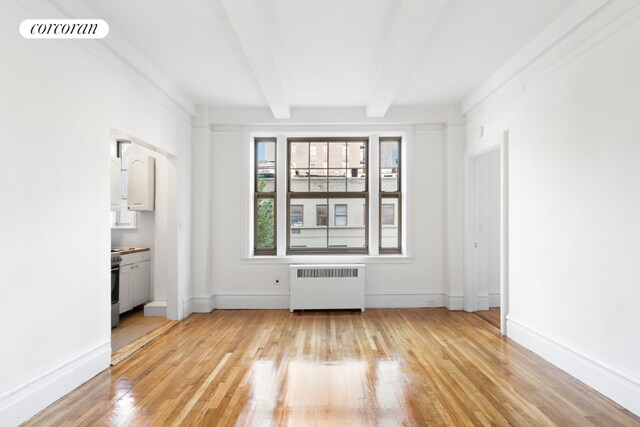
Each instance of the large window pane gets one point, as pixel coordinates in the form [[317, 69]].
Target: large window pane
[[389, 217], [329, 221], [265, 224], [265, 197], [389, 164], [265, 166], [347, 227], [308, 234]]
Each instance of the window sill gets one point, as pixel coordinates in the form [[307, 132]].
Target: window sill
[[328, 259], [124, 227]]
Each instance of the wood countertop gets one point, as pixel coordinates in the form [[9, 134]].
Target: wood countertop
[[127, 251]]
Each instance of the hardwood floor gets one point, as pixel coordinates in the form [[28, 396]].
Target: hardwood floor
[[492, 316], [414, 367], [133, 325]]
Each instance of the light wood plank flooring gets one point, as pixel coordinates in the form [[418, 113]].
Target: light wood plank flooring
[[492, 316], [133, 325], [416, 367]]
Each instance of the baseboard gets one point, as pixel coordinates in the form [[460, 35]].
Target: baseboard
[[156, 308], [494, 300], [482, 303], [202, 304], [402, 299], [377, 299], [26, 400], [454, 302], [617, 386], [250, 300]]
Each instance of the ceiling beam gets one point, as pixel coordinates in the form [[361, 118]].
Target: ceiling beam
[[258, 48], [413, 24]]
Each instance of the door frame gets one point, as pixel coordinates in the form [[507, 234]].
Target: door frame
[[499, 142]]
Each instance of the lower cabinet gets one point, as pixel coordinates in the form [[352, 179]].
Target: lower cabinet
[[135, 280]]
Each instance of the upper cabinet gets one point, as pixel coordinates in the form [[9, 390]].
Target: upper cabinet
[[115, 183], [141, 183]]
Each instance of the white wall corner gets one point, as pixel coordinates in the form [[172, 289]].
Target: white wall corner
[[494, 299], [454, 302], [27, 399], [454, 206], [201, 304], [616, 385], [482, 303]]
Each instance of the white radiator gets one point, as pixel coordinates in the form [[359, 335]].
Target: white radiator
[[317, 287]]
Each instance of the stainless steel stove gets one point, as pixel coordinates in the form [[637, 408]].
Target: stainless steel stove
[[116, 259]]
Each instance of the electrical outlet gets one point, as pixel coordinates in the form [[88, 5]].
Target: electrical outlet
[[431, 303]]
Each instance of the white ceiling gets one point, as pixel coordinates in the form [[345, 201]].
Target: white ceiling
[[288, 53]]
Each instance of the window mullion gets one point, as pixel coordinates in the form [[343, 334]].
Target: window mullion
[[374, 195], [281, 193]]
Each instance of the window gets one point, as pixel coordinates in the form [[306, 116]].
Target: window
[[265, 198], [341, 182], [124, 218], [388, 214], [297, 215], [390, 195], [340, 215], [321, 215], [328, 176]]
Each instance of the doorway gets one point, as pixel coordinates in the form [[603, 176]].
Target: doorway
[[486, 232]]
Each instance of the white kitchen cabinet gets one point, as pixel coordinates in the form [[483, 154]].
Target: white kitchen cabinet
[[135, 280], [116, 175], [141, 183], [141, 282], [126, 277]]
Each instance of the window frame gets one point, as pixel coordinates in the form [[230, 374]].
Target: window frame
[[257, 195], [390, 195], [328, 195]]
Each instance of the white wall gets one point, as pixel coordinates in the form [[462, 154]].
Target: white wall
[[57, 110], [235, 282], [574, 210], [488, 229]]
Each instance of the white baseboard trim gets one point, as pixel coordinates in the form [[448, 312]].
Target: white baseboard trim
[[26, 400], [454, 302], [482, 303], [250, 300], [374, 299], [611, 382], [203, 304], [494, 299], [156, 308], [402, 299]]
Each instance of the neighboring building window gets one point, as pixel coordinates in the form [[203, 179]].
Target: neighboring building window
[[340, 215], [265, 197], [388, 214], [297, 215], [321, 215], [124, 218], [390, 195], [338, 188]]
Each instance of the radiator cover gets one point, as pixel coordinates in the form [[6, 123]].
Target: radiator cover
[[326, 286]]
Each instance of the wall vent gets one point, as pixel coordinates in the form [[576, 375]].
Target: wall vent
[[321, 273]]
